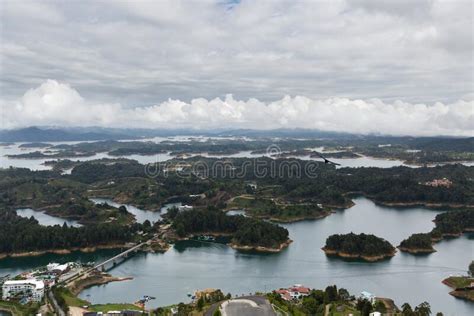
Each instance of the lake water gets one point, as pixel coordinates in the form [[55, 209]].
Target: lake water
[[195, 265], [140, 214], [45, 219], [38, 164]]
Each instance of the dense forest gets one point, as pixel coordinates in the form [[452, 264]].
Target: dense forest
[[413, 150], [268, 208], [453, 223], [358, 245], [19, 234], [245, 231], [417, 243]]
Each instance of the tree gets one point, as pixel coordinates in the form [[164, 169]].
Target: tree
[[380, 307], [200, 303], [424, 309], [471, 269], [343, 294], [330, 294], [123, 209], [310, 305], [407, 310]]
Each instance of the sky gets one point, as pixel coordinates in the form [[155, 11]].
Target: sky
[[402, 67]]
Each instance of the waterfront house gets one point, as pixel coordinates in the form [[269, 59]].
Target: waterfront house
[[30, 290], [295, 292]]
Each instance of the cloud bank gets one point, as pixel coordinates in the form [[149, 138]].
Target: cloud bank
[[142, 52], [58, 104]]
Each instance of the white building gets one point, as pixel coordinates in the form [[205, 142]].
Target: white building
[[57, 268], [368, 296], [32, 290]]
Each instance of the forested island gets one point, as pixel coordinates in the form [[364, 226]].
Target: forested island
[[419, 151], [201, 183], [450, 224], [453, 223], [462, 286], [359, 246], [417, 243], [278, 212], [25, 236], [246, 233]]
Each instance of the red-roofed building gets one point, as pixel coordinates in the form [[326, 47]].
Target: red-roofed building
[[295, 292]]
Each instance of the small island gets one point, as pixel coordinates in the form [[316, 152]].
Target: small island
[[35, 145], [245, 233], [281, 212], [463, 286], [359, 246], [417, 244]]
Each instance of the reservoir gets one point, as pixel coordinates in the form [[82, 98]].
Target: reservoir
[[193, 265], [45, 219]]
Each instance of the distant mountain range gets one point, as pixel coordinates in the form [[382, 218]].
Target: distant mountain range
[[36, 134], [51, 134]]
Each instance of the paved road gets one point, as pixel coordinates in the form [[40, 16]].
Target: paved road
[[248, 306]]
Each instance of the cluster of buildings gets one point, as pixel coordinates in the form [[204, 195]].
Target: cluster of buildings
[[295, 292], [439, 183], [26, 291], [30, 286]]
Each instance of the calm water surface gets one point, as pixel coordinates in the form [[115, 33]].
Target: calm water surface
[[194, 265], [38, 164], [140, 214], [45, 219]]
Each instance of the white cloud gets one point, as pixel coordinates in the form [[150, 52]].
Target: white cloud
[[54, 103]]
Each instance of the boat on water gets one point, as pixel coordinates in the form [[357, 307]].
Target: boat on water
[[206, 238]]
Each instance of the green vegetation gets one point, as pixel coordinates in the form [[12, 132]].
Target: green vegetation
[[35, 145], [19, 309], [453, 223], [245, 231], [18, 234], [363, 246], [267, 208], [64, 295], [417, 243], [113, 307]]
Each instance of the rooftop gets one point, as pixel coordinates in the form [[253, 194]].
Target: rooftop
[[37, 283]]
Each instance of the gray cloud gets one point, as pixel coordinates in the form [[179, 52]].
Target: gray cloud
[[143, 52]]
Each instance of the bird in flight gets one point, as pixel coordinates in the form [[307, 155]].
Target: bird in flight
[[326, 161]]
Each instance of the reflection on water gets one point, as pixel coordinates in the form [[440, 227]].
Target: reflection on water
[[140, 214], [38, 164], [195, 265]]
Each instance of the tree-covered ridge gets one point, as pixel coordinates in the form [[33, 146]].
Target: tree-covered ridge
[[268, 208], [417, 243], [453, 223], [18, 234], [358, 245], [244, 231]]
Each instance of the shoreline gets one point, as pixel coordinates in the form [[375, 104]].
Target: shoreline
[[235, 246], [466, 293], [415, 251], [422, 204], [293, 219], [261, 248], [345, 255], [60, 251], [80, 285]]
